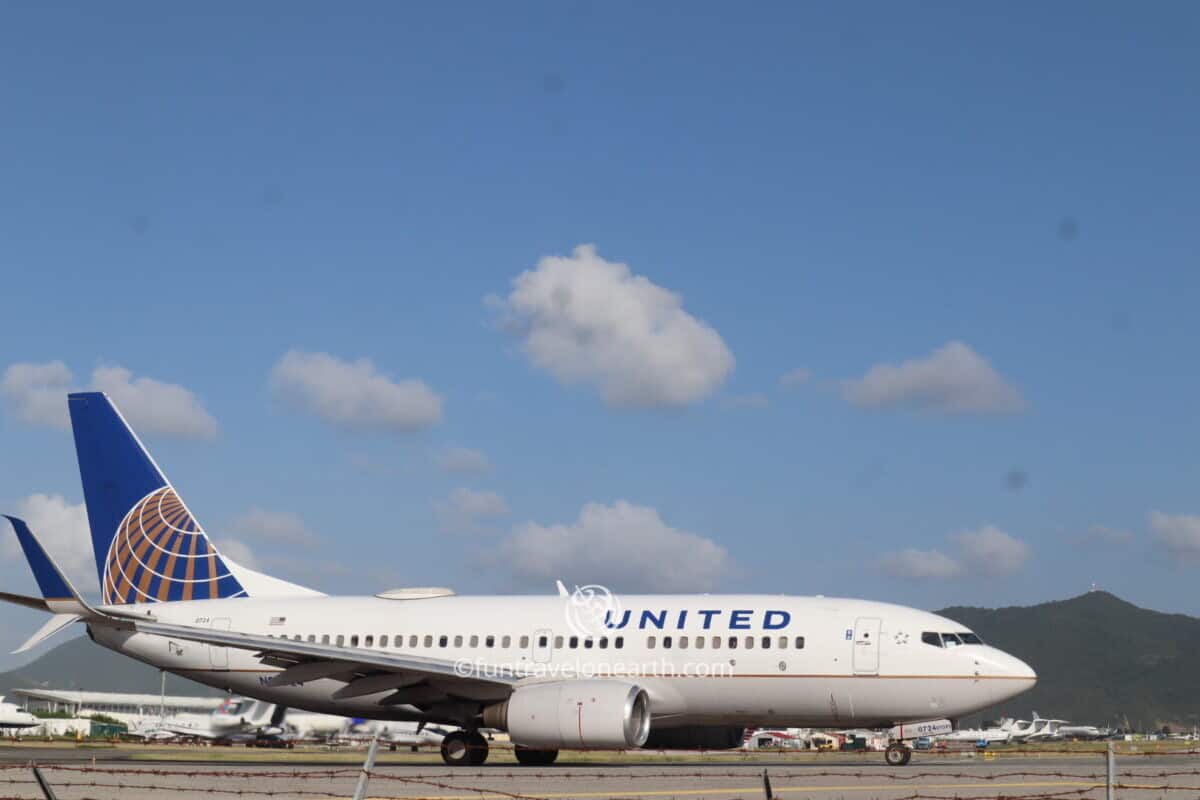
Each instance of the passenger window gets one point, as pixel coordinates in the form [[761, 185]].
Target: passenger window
[[354, 640], [749, 642], [325, 638], [603, 642], [369, 641], [443, 641], [428, 640], [666, 642], [587, 643], [929, 637], [799, 642], [573, 642], [523, 642], [620, 642], [543, 641], [506, 641], [489, 641], [683, 643], [458, 641], [341, 640], [733, 643], [699, 642], [312, 638], [558, 640], [782, 642], [412, 640], [716, 643], [766, 642], [475, 641], [650, 642], [383, 640]]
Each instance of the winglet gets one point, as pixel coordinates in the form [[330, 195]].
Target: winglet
[[61, 597], [562, 590]]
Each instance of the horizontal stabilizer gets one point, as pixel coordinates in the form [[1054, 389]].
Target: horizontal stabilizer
[[52, 626], [24, 600]]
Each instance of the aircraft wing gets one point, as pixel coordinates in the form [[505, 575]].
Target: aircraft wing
[[416, 680]]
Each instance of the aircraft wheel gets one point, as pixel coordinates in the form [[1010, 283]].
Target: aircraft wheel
[[477, 747], [535, 758], [456, 749], [898, 754]]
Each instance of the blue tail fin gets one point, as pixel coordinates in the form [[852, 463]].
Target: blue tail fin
[[50, 581], [148, 546]]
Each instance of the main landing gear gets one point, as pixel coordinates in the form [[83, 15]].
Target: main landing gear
[[898, 754], [464, 749]]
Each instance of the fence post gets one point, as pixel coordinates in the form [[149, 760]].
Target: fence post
[[44, 784], [767, 786], [360, 792], [1110, 772]]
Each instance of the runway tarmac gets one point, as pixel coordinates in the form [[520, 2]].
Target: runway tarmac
[[931, 777]]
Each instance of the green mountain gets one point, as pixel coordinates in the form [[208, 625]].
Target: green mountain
[[80, 664], [1099, 660]]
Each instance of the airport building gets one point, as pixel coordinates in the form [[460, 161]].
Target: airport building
[[74, 701]]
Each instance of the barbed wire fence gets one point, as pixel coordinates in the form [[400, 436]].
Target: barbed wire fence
[[1097, 775]]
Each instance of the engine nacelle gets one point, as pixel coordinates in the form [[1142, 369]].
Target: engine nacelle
[[697, 737], [583, 714]]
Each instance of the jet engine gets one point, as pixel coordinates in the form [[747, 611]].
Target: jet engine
[[583, 714]]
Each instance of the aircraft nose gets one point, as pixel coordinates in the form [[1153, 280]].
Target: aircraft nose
[[1005, 665]]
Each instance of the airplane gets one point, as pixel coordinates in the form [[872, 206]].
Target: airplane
[[1084, 732], [235, 720], [976, 736], [583, 670], [15, 718], [393, 734]]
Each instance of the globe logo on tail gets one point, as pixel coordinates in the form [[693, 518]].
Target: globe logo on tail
[[161, 553]]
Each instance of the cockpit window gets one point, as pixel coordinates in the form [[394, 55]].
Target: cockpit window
[[929, 637], [950, 640], [970, 638]]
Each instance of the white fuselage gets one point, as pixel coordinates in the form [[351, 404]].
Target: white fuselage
[[703, 660]]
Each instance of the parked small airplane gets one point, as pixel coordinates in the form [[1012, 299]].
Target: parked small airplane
[[393, 734], [13, 717], [235, 720]]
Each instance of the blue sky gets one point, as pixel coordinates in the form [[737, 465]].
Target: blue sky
[[999, 203]]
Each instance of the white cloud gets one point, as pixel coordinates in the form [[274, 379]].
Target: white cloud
[[153, 406], [353, 394], [463, 461], [272, 526], [62, 528], [623, 546], [587, 320], [466, 510], [991, 551], [36, 393], [1179, 533], [795, 377], [921, 565], [987, 551], [237, 551], [953, 379]]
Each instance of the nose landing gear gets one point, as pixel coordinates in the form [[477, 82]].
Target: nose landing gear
[[897, 754]]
